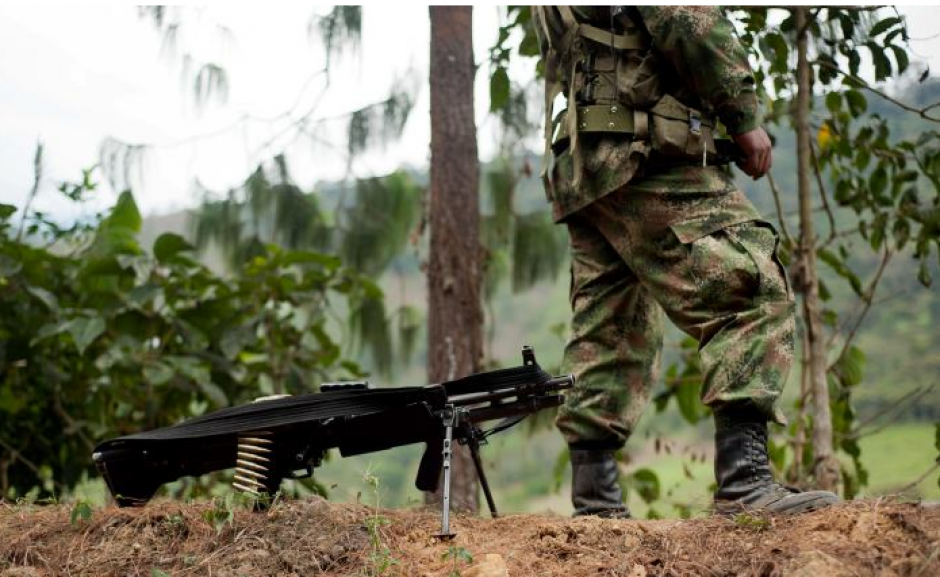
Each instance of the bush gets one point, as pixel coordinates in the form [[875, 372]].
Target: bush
[[109, 339]]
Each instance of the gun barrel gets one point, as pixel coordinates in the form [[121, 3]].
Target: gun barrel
[[552, 385]]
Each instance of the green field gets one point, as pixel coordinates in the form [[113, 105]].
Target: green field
[[522, 467]]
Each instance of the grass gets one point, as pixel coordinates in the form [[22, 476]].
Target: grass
[[894, 457], [897, 456]]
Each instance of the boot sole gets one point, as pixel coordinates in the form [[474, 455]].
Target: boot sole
[[732, 508]]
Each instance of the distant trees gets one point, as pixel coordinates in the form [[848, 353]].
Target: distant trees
[[368, 223]]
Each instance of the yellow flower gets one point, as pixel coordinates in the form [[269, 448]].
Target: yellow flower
[[824, 136]]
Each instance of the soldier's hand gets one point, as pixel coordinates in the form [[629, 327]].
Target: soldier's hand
[[757, 152]]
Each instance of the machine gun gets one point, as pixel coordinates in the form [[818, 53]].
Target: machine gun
[[288, 437]]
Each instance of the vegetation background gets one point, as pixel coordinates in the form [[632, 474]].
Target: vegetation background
[[117, 322]]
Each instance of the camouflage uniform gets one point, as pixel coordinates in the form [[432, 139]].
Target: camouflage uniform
[[680, 239]]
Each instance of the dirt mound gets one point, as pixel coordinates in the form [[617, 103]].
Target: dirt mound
[[313, 537]]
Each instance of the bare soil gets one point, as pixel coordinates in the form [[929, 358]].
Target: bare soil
[[314, 537]]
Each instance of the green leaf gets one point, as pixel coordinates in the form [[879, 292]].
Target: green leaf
[[124, 214], [646, 483], [168, 245], [902, 232], [154, 572], [9, 266], [309, 257], [878, 182], [841, 268], [855, 62], [877, 236], [884, 25], [561, 462], [139, 296], [6, 211], [900, 54], [851, 367], [85, 330], [923, 274], [499, 89], [781, 51], [858, 104], [848, 26], [47, 298], [689, 401], [529, 46], [936, 438], [80, 512], [250, 358], [833, 102], [11, 402], [158, 373], [880, 58], [214, 392], [48, 330]]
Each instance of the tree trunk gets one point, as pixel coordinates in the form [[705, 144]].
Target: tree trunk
[[826, 467], [455, 314]]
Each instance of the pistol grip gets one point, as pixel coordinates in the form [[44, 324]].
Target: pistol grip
[[429, 471]]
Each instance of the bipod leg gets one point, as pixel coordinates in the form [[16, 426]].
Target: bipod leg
[[481, 474], [450, 420]]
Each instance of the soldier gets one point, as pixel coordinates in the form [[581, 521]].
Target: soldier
[[657, 225]]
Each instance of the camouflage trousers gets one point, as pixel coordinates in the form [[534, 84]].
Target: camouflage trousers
[[709, 262]]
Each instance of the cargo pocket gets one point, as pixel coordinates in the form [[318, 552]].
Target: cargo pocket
[[766, 250], [724, 261], [735, 262]]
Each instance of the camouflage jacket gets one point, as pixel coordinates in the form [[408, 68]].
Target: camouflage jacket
[[704, 66]]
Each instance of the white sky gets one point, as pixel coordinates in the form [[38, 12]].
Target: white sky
[[72, 75]]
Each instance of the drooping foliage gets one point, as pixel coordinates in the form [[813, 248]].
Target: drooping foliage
[[369, 227]]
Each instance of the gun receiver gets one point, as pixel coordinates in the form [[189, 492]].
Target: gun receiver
[[279, 438]]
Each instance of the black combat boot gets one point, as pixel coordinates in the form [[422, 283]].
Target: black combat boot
[[742, 469], [594, 486]]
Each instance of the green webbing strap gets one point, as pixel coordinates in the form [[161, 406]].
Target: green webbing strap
[[618, 41], [600, 118], [552, 90], [571, 124], [561, 54], [605, 37], [567, 16]]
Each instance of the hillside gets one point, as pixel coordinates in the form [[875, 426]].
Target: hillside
[[313, 537]]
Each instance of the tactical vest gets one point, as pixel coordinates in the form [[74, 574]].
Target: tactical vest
[[602, 60]]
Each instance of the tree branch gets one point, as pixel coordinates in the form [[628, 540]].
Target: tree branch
[[922, 112], [867, 299], [37, 178], [780, 216], [824, 196], [922, 478], [29, 464], [908, 398]]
